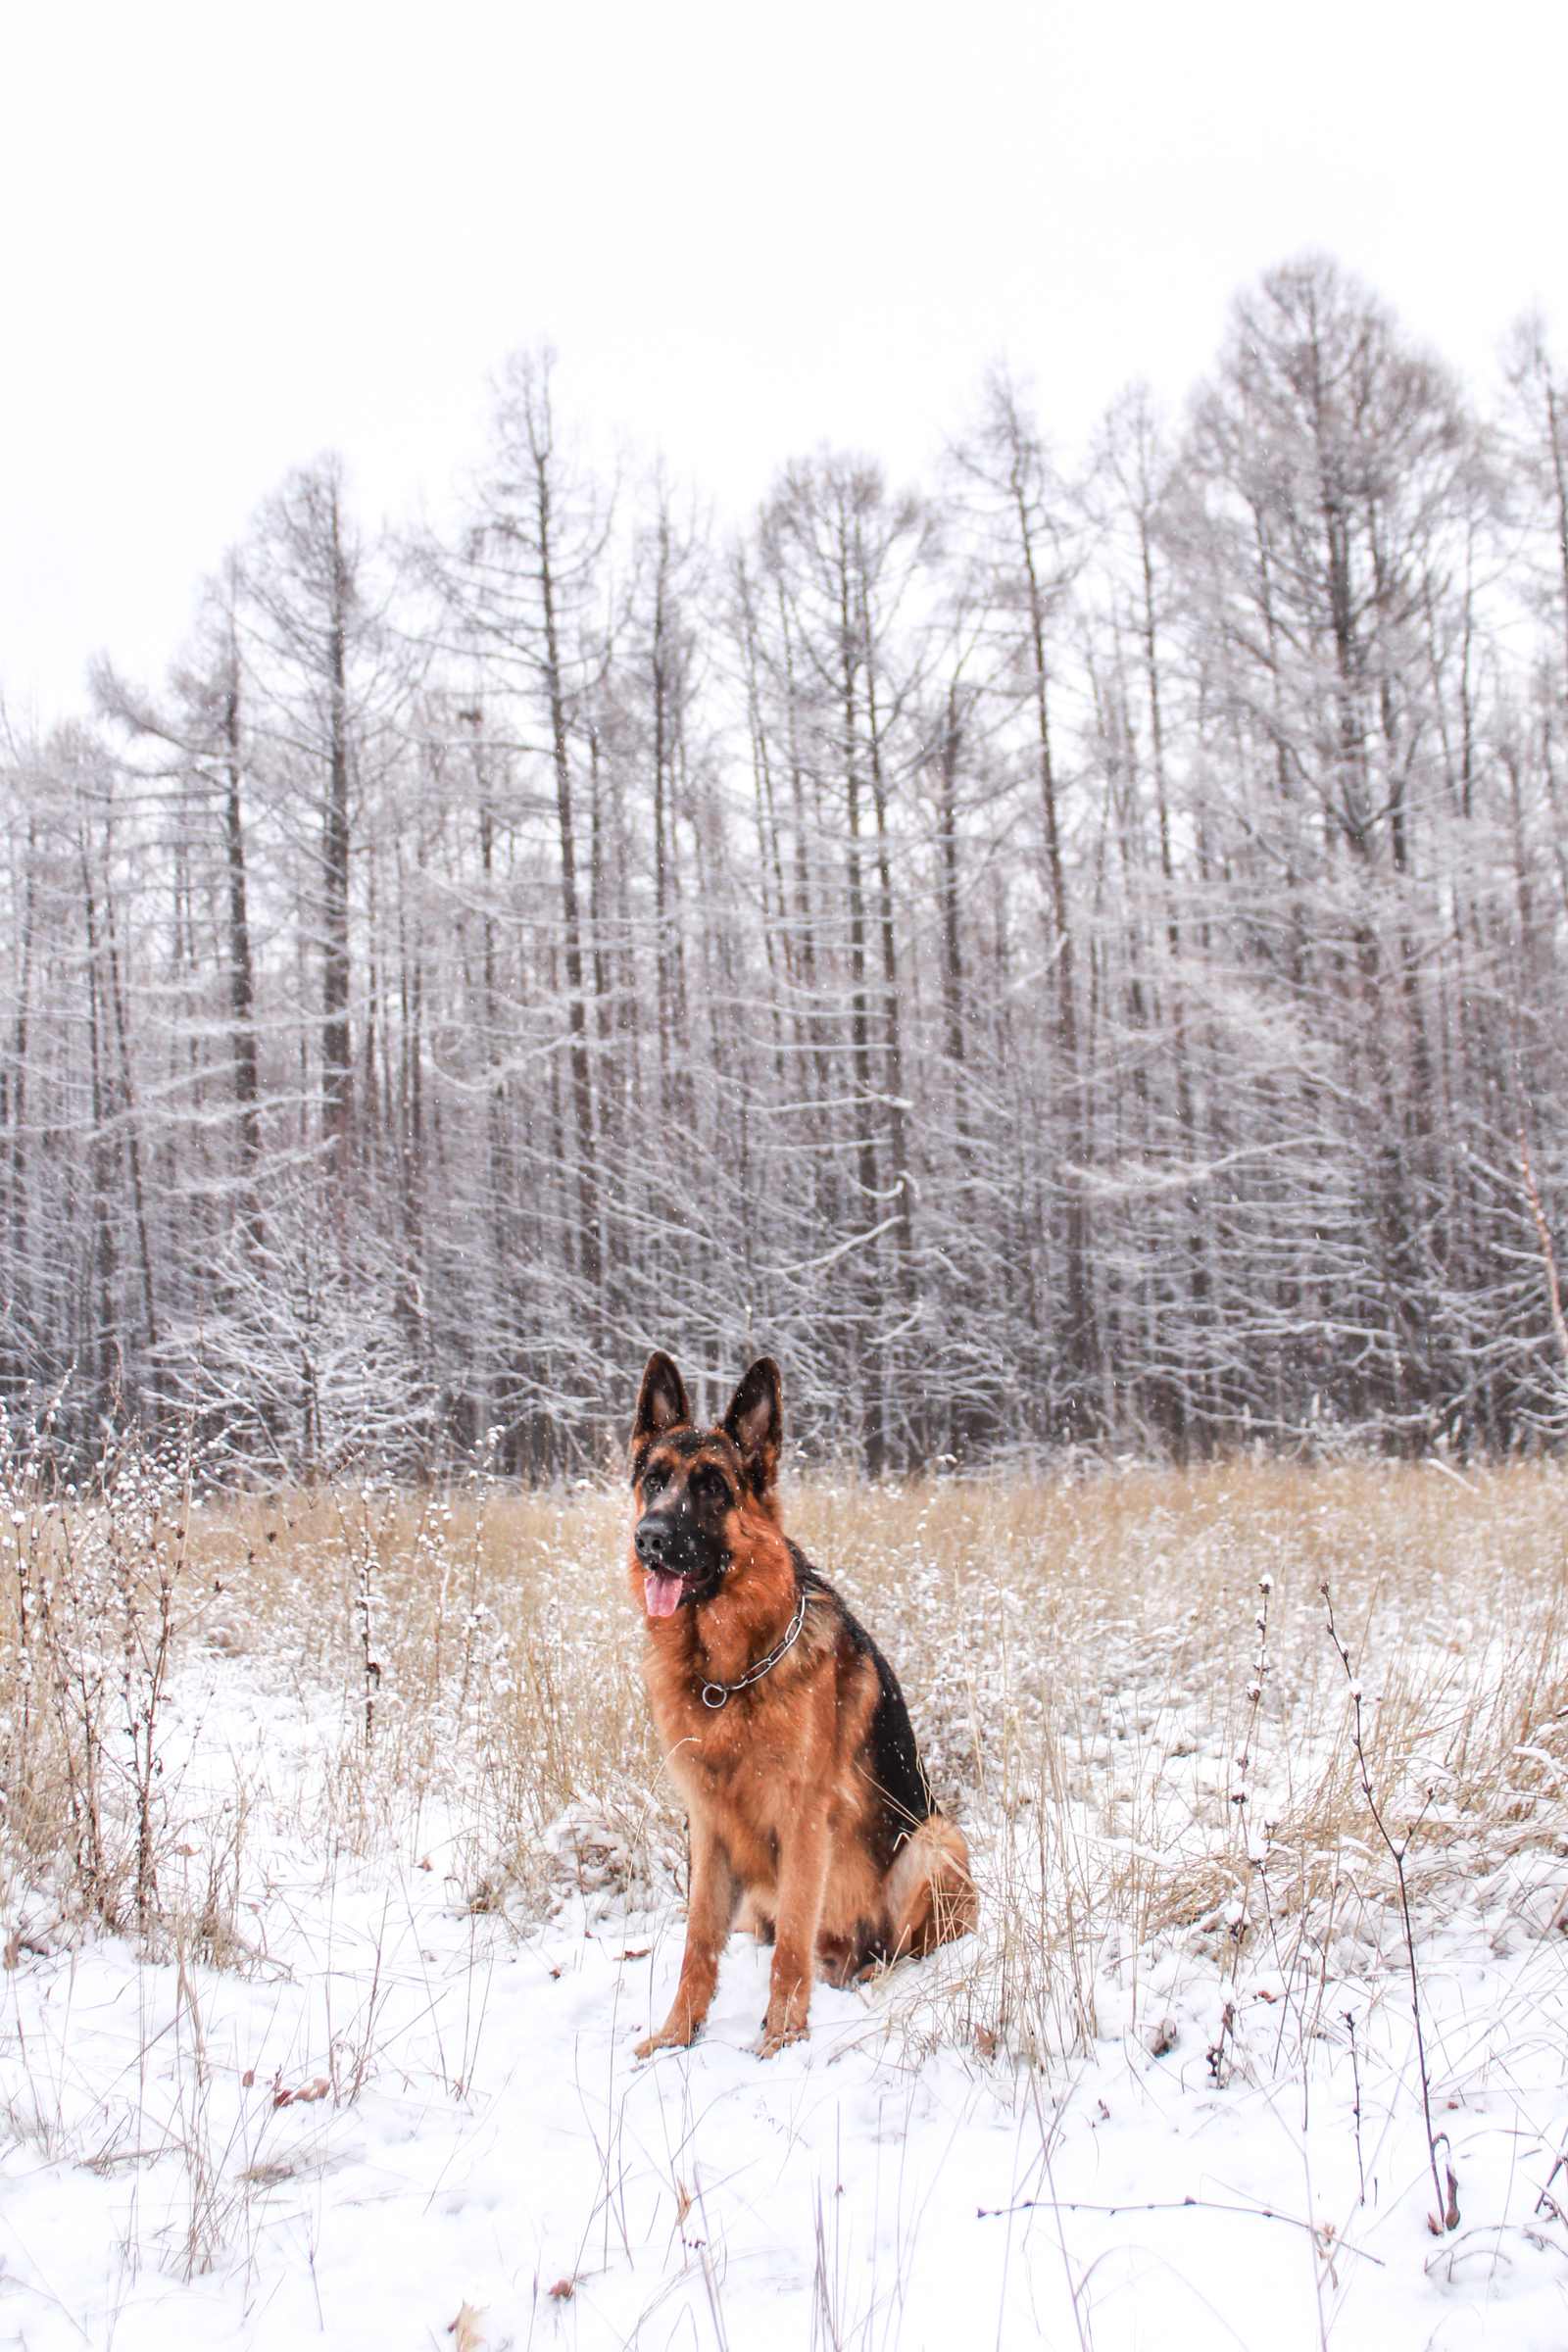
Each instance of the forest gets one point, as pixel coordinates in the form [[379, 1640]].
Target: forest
[[1067, 954]]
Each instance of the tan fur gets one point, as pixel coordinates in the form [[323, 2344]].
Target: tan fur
[[785, 1816]]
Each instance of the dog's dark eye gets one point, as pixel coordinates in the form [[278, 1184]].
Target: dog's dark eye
[[713, 1486], [653, 1484]]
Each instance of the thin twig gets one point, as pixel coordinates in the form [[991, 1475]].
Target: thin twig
[[1446, 2216], [1252, 2212], [1548, 1255]]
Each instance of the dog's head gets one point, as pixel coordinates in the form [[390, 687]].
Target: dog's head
[[695, 1487]]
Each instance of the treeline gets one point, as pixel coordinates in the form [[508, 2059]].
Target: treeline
[[1064, 954]]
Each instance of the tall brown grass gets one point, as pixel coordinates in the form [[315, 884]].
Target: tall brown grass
[[1080, 1655]]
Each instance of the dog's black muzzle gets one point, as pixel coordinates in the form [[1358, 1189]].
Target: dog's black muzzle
[[671, 1543], [662, 1544]]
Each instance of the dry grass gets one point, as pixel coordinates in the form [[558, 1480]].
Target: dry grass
[[1080, 1657]]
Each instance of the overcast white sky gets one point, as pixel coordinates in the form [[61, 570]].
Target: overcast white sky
[[234, 235]]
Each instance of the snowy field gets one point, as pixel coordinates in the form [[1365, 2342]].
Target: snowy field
[[364, 2074]]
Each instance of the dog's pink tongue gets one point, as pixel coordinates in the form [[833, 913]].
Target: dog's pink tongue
[[660, 1593]]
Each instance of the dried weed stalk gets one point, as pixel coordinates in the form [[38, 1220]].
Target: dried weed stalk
[[1446, 2216]]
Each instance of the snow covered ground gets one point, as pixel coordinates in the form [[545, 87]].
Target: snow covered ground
[[405, 2110], [469, 2133]]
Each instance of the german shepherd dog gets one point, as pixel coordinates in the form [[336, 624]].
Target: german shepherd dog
[[811, 1821]]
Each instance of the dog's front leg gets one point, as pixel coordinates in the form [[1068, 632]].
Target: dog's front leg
[[802, 1882], [709, 1915]]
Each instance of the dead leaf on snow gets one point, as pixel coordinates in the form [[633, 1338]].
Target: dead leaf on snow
[[320, 2088]]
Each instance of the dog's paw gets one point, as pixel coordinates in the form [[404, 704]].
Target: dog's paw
[[777, 2038], [667, 2038]]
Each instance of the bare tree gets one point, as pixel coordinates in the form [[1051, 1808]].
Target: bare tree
[[304, 576], [1026, 523]]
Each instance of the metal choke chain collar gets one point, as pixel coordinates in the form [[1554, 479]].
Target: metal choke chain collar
[[716, 1693]]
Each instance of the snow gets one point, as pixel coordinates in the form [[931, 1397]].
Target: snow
[[477, 2135]]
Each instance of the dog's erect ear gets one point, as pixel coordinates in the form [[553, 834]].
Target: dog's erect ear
[[661, 1402], [755, 1423]]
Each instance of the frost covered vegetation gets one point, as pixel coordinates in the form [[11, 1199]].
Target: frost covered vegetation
[[1093, 920], [338, 1881]]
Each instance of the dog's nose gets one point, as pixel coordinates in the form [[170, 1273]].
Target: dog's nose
[[652, 1540]]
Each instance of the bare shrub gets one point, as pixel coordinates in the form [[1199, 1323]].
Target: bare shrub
[[88, 1625]]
